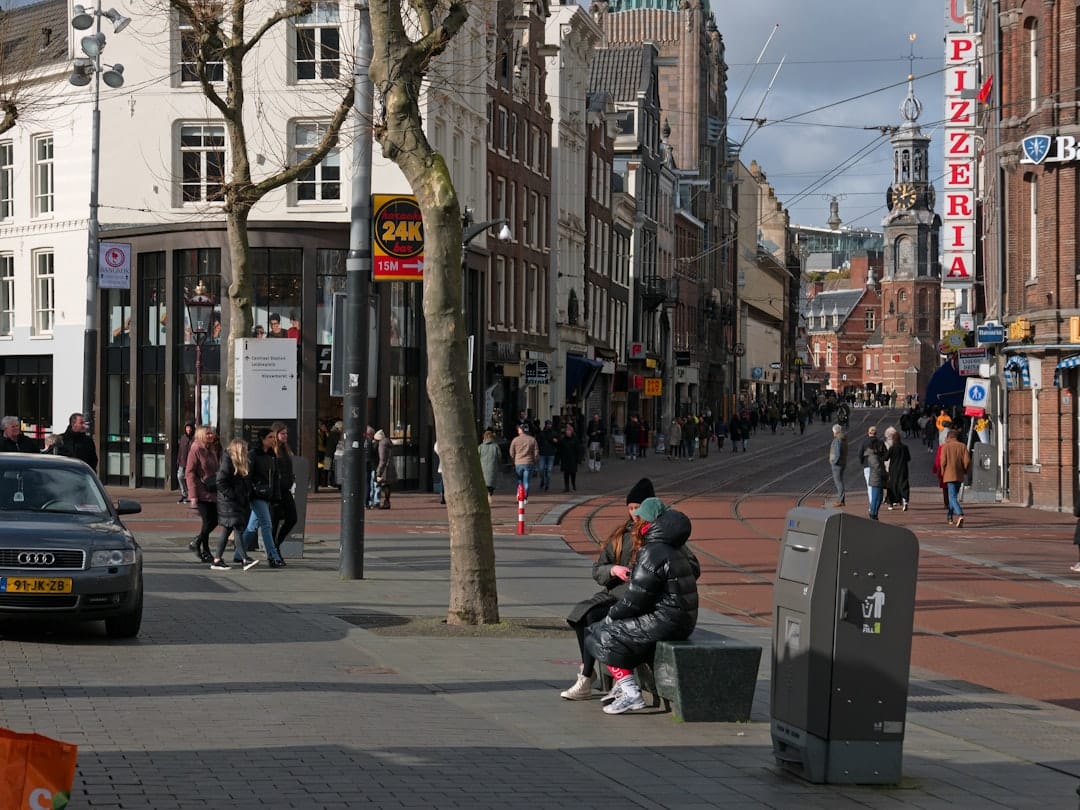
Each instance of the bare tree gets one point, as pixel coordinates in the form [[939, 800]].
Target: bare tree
[[409, 36], [33, 39], [221, 35]]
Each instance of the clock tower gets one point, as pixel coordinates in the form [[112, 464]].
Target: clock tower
[[911, 282]]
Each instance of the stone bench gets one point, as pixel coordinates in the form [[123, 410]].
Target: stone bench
[[702, 681]]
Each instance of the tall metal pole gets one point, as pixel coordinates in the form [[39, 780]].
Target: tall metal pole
[[90, 338], [198, 381], [357, 290]]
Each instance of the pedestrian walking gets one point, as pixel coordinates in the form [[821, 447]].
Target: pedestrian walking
[[1075, 568], [899, 462], [183, 447], [524, 455], [545, 440], [201, 473], [660, 604], [675, 439], [876, 477], [612, 572], [955, 461], [864, 450], [838, 462], [265, 491], [632, 439], [596, 434], [569, 456], [233, 505], [283, 514], [386, 471], [490, 456]]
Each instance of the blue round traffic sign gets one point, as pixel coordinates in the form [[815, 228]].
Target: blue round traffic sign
[[977, 393]]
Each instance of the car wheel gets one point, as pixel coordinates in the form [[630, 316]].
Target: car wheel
[[127, 624]]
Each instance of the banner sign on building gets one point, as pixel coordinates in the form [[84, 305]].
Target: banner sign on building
[[398, 238], [958, 238], [114, 266]]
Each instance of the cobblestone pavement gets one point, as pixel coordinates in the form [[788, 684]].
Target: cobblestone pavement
[[263, 689]]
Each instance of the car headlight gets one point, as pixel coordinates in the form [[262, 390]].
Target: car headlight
[[111, 557]]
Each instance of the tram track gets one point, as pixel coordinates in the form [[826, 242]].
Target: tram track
[[974, 622]]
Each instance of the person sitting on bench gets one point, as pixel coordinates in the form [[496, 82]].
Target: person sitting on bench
[[660, 603], [612, 572]]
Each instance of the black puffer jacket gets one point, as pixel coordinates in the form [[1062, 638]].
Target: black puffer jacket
[[233, 495], [661, 603], [265, 479]]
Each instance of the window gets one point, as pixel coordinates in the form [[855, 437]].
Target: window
[[828, 354], [318, 42], [1033, 228], [513, 147], [868, 362], [43, 175], [44, 293], [202, 153], [501, 134], [498, 292], [7, 293], [1033, 64], [7, 198], [870, 320], [322, 182], [189, 51]]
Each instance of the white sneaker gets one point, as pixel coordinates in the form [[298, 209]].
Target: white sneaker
[[581, 690], [626, 702], [1075, 568], [612, 696]]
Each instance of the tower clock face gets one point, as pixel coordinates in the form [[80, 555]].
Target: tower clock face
[[904, 195]]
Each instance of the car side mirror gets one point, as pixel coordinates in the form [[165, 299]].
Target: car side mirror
[[126, 506]]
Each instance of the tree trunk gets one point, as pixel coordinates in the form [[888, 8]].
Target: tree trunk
[[236, 282], [397, 71]]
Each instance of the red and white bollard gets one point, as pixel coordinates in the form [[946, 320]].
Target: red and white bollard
[[521, 509]]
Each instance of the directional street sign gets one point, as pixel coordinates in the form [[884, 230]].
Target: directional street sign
[[990, 333]]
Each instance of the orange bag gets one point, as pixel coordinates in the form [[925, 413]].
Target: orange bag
[[36, 772]]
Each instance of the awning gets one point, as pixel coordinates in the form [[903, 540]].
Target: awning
[[1018, 364], [581, 374], [946, 387], [1072, 361]]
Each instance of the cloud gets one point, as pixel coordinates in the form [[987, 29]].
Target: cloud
[[844, 74]]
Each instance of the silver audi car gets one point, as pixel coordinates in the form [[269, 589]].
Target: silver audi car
[[64, 553]]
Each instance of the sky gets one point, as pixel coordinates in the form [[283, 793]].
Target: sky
[[844, 73]]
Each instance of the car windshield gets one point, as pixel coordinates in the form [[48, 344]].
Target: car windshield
[[50, 488]]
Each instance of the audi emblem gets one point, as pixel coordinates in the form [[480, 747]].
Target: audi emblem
[[36, 558]]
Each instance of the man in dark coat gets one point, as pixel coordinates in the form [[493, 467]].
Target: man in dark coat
[[661, 603], [75, 442], [12, 439]]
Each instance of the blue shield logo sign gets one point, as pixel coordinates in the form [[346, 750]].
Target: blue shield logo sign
[[1036, 148]]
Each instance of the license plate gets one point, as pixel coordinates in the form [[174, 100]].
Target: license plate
[[32, 585]]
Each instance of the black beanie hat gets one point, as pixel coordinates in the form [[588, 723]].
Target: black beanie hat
[[640, 491]]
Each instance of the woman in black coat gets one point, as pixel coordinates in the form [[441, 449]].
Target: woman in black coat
[[899, 458], [660, 604], [568, 453], [612, 572], [233, 504]]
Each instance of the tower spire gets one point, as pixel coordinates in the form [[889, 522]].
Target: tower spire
[[911, 106]]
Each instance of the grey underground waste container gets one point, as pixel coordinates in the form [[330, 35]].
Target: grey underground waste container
[[843, 611]]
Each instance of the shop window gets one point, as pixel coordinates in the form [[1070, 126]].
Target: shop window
[[276, 279], [330, 277]]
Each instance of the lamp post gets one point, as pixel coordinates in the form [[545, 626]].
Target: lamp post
[[473, 304], [113, 76], [200, 307]]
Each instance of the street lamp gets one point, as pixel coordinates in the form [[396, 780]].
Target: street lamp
[[113, 76], [200, 308], [472, 304]]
